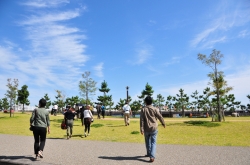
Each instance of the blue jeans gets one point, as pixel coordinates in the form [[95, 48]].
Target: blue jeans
[[150, 141]]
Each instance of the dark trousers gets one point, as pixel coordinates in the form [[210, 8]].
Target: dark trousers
[[103, 114], [98, 114], [40, 138]]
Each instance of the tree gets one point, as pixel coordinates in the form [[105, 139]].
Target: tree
[[148, 91], [169, 104], [48, 102], [248, 105], [182, 101], [59, 99], [5, 103], [87, 86], [23, 95], [72, 101], [12, 91], [213, 61], [105, 99], [135, 107], [159, 101], [1, 105]]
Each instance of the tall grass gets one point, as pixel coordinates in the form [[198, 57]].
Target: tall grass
[[184, 131]]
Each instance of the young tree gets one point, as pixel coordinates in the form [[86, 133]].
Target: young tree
[[213, 61], [182, 100], [23, 95], [159, 101], [169, 104], [87, 86], [59, 100], [12, 91], [105, 99], [48, 102]]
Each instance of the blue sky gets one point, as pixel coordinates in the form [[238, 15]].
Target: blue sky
[[47, 45]]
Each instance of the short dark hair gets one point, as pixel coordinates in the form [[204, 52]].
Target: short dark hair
[[42, 102], [148, 100]]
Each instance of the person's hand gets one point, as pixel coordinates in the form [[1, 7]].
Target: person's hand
[[142, 133], [164, 125], [48, 131]]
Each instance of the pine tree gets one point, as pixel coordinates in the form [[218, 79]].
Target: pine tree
[[23, 95], [105, 99]]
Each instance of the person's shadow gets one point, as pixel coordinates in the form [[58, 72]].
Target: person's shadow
[[17, 157], [122, 158]]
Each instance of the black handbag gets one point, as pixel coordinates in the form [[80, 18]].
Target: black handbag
[[32, 127]]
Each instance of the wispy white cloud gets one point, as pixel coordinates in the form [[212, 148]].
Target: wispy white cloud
[[99, 69], [244, 33], [173, 60], [44, 3], [143, 54], [228, 16]]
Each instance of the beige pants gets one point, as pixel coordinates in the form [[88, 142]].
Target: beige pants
[[126, 118]]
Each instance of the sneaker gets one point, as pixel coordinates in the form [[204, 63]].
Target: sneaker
[[151, 159], [40, 153], [67, 137], [36, 158], [70, 136], [85, 134]]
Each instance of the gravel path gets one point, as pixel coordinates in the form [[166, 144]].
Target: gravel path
[[19, 150]]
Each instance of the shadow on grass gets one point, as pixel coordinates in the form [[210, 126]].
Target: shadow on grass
[[202, 123], [115, 126], [124, 158], [96, 125]]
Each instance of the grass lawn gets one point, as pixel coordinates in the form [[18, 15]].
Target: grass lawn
[[184, 131]]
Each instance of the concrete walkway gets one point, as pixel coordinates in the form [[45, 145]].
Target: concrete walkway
[[19, 150]]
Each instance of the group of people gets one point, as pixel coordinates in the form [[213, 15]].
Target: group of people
[[148, 124]]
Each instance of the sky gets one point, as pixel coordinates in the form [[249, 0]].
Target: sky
[[48, 45]]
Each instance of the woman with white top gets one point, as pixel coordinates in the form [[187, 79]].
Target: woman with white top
[[87, 120]]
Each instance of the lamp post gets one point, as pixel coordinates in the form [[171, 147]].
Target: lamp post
[[127, 92]]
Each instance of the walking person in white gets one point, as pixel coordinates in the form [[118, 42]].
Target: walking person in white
[[127, 113]]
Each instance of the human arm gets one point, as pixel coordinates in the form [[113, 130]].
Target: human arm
[[142, 122]]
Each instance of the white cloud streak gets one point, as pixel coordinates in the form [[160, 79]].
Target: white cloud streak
[[226, 18], [44, 3], [99, 70]]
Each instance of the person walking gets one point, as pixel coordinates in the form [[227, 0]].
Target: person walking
[[103, 111], [87, 120], [148, 126], [126, 113], [40, 120], [98, 109], [69, 119]]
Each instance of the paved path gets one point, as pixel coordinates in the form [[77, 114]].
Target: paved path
[[19, 150]]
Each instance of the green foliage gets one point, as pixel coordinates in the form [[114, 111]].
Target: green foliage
[[5, 103], [159, 100], [182, 100], [148, 91], [59, 99], [202, 123], [87, 86], [135, 106], [135, 132], [105, 99], [72, 101], [48, 102], [97, 125], [23, 95], [12, 90]]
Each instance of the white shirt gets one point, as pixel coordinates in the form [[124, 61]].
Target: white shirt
[[55, 107], [87, 114], [126, 108]]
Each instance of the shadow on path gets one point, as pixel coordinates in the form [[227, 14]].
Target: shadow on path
[[17, 157], [122, 158]]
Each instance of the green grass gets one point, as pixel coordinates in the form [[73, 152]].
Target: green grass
[[183, 131]]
